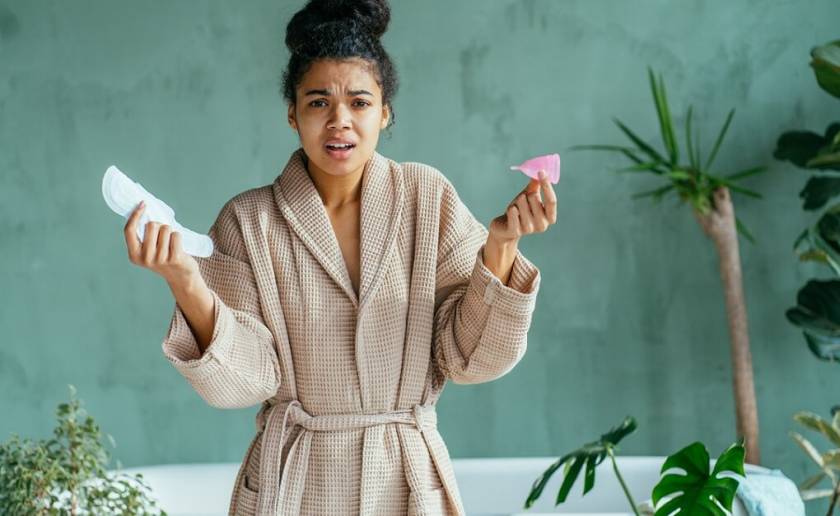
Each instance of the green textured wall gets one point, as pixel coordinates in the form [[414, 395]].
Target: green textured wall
[[184, 97]]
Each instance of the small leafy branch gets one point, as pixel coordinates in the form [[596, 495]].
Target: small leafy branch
[[696, 491], [828, 461], [66, 474]]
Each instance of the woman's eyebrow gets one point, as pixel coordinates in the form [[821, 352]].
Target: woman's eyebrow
[[327, 93]]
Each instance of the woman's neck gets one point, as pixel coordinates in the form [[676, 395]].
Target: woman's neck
[[336, 191]]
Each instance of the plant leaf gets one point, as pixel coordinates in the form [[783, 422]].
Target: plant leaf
[[817, 423], [809, 449], [666, 127], [818, 191], [644, 147], [825, 60], [697, 491], [746, 173], [695, 163], [800, 147], [719, 139], [591, 454]]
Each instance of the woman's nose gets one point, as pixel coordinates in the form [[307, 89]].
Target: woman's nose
[[340, 117]]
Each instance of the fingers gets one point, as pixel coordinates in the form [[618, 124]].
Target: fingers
[[536, 206], [549, 200], [175, 244], [130, 231], [150, 242], [513, 219], [525, 217], [163, 244]]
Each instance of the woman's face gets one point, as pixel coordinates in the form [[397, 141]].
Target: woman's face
[[337, 103]]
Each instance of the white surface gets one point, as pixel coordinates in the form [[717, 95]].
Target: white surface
[[122, 195], [488, 486]]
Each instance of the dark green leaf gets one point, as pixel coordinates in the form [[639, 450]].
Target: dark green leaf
[[746, 173], [644, 147], [818, 312], [590, 454], [697, 490], [719, 139], [825, 60], [818, 191], [695, 163], [742, 229], [666, 128], [800, 147], [657, 193]]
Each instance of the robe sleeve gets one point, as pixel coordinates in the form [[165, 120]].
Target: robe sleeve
[[240, 367], [480, 324]]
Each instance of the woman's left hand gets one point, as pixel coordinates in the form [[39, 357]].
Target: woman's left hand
[[527, 213]]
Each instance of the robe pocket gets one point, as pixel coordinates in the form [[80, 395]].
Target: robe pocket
[[428, 502], [246, 500]]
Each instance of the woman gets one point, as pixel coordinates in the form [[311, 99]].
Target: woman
[[346, 293]]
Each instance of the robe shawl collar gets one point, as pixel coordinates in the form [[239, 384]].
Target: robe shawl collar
[[381, 208]]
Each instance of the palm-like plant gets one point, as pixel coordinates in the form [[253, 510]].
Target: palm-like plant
[[708, 196], [828, 461]]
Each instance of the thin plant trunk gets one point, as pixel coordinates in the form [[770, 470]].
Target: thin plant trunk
[[834, 499], [719, 226]]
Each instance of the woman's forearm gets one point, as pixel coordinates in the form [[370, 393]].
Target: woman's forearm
[[196, 302]]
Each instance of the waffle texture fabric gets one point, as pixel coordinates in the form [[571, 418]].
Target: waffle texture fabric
[[347, 383]]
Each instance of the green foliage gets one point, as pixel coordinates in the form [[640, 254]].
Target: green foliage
[[697, 491], [828, 461], [66, 474], [590, 454], [816, 312], [692, 181], [818, 315], [691, 493], [809, 150], [825, 60]]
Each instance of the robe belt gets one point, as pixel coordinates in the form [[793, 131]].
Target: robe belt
[[281, 493]]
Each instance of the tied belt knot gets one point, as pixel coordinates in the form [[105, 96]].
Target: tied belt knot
[[281, 492]]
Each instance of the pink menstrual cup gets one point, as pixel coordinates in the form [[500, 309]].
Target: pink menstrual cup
[[550, 163]]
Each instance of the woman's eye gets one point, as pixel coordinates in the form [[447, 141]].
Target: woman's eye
[[362, 103], [317, 103]]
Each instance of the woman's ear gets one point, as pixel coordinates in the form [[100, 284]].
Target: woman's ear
[[386, 116], [292, 119]]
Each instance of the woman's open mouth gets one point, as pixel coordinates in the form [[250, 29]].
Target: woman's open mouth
[[340, 150]]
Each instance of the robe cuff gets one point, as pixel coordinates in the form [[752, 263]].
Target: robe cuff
[[181, 348], [519, 296]]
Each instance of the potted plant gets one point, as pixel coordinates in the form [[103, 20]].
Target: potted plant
[[708, 196], [67, 474]]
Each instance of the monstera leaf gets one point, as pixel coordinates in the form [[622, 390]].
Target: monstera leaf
[[818, 314], [696, 491], [825, 61], [590, 454], [807, 149]]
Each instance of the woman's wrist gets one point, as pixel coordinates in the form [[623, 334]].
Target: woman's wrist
[[499, 256]]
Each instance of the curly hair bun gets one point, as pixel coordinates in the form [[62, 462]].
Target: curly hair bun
[[333, 16]]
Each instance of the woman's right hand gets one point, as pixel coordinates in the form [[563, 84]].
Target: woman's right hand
[[160, 251]]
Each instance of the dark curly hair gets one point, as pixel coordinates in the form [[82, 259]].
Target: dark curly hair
[[340, 29]]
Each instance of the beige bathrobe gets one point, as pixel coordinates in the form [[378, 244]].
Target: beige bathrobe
[[348, 386]]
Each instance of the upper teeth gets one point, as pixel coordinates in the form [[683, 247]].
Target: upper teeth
[[340, 145]]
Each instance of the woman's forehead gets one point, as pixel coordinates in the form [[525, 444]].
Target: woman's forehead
[[340, 76]]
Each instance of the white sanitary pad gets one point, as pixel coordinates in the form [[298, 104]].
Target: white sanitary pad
[[123, 195]]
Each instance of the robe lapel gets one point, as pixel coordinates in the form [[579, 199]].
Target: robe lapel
[[382, 199]]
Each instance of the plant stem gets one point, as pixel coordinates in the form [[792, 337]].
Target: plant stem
[[833, 499], [621, 481]]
